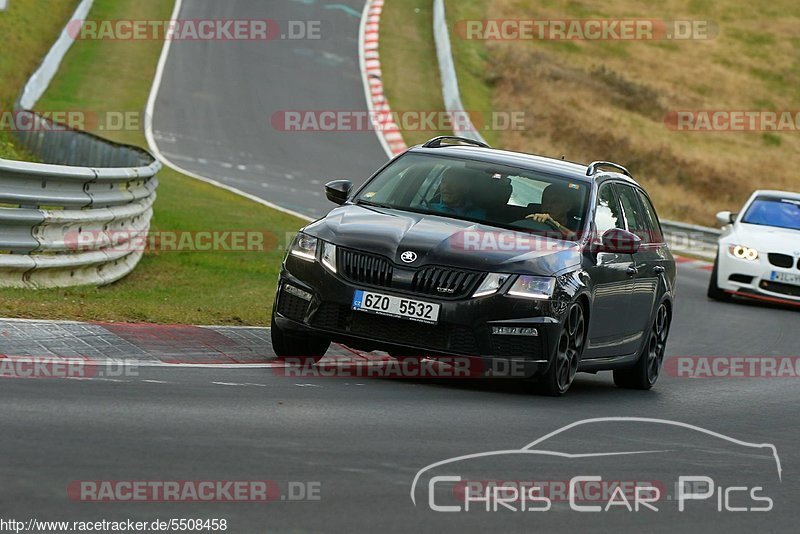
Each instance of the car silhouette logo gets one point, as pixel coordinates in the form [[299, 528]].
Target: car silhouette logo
[[408, 256]]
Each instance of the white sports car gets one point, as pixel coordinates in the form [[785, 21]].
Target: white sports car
[[759, 250]]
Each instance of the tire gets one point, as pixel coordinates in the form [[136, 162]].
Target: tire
[[569, 350], [305, 349], [645, 373], [714, 292]]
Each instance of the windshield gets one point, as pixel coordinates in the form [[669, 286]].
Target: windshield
[[774, 211], [488, 193]]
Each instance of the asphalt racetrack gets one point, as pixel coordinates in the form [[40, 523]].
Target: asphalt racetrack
[[356, 445]]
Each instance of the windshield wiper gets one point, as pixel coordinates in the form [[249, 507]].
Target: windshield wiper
[[374, 204]]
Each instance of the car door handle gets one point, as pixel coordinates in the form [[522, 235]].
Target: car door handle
[[633, 271], [659, 269]]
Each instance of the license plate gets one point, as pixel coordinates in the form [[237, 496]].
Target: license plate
[[414, 310], [786, 278]]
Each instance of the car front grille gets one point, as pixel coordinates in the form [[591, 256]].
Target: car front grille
[[781, 260], [365, 268], [373, 270], [447, 338], [444, 282], [784, 289]]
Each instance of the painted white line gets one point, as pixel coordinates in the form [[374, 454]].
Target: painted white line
[[211, 365], [40, 321], [152, 363], [231, 327], [151, 141], [96, 379]]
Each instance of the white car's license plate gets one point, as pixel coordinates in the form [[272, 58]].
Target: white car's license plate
[[415, 310], [786, 278]]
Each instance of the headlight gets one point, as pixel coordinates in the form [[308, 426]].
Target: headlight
[[533, 287], [328, 256], [743, 253], [490, 285], [304, 247]]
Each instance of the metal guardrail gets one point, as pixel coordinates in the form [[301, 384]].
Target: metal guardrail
[[700, 241], [70, 220], [67, 222]]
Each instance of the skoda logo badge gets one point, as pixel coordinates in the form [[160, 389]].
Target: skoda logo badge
[[408, 256]]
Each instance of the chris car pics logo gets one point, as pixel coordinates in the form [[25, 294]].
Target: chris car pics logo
[[553, 472]]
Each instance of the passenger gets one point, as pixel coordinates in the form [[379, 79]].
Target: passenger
[[456, 196]]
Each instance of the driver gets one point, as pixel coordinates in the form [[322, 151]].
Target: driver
[[557, 206], [456, 196]]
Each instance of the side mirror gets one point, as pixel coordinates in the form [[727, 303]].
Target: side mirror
[[725, 218], [619, 241], [338, 191]]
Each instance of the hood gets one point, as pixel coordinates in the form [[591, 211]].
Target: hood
[[437, 240], [766, 239]]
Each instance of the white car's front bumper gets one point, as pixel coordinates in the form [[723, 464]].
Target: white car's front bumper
[[755, 278]]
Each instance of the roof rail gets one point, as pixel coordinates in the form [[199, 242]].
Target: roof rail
[[591, 170], [436, 142]]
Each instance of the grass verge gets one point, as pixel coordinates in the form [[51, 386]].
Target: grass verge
[[408, 61], [27, 30], [592, 100], [213, 287]]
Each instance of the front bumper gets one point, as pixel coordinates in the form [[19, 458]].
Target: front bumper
[[754, 279], [464, 327]]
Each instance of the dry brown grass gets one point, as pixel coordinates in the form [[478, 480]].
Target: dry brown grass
[[607, 101]]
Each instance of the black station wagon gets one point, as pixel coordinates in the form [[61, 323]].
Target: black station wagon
[[457, 249]]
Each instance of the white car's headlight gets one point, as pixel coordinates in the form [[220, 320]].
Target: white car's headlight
[[490, 285], [328, 256], [533, 287], [743, 253], [304, 247]]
